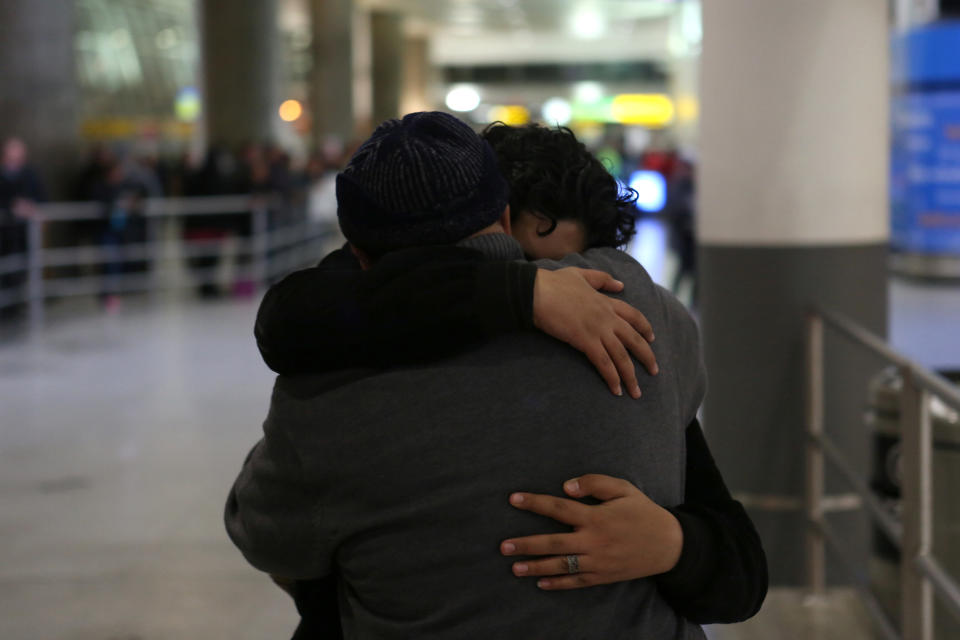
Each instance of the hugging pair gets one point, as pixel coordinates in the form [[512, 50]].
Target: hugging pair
[[421, 427]]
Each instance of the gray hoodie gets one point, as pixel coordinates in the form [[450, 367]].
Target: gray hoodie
[[398, 479]]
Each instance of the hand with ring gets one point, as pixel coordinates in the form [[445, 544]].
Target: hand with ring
[[627, 536]]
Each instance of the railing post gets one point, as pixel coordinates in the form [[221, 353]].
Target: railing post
[[917, 483], [259, 210], [35, 271], [813, 496]]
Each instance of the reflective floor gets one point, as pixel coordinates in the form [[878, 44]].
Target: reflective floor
[[119, 438]]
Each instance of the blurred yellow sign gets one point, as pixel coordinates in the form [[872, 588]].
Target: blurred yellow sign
[[646, 109], [512, 114], [130, 128]]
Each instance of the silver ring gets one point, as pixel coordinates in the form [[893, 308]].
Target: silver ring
[[573, 564]]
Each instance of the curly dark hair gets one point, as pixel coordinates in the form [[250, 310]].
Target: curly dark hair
[[552, 173]]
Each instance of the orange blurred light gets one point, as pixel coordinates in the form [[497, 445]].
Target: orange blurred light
[[291, 110]]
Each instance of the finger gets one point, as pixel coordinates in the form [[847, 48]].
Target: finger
[[599, 486], [600, 359], [639, 347], [547, 544], [561, 509], [625, 367], [549, 566], [576, 581], [600, 280], [636, 319]]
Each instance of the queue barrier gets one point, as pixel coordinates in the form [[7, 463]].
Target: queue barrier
[[922, 576], [269, 251]]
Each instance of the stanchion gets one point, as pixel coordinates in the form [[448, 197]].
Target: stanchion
[[917, 481], [35, 271], [259, 209], [813, 496]]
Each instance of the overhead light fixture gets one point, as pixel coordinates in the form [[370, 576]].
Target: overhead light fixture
[[556, 112], [587, 23], [588, 92], [290, 110], [463, 98]]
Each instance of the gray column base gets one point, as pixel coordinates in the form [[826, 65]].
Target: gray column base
[[752, 306]]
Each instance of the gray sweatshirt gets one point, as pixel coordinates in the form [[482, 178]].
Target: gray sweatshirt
[[398, 479]]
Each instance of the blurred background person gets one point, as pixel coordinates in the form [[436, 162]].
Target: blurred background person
[[20, 190]]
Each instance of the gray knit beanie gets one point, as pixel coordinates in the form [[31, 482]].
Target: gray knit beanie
[[424, 180]]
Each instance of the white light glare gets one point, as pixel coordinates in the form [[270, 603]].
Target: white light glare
[[587, 92], [463, 98], [651, 190], [587, 23], [556, 111]]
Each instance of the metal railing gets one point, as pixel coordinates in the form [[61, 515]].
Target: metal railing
[[268, 251], [921, 575]]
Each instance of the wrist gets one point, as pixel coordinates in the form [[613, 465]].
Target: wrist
[[672, 541], [541, 283]]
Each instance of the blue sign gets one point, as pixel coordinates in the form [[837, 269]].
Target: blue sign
[[925, 160]]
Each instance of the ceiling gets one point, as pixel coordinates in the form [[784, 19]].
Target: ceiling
[[553, 16]]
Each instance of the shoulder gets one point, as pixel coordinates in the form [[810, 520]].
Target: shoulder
[[619, 264]]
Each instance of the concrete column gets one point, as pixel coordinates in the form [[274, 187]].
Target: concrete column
[[793, 211], [241, 75], [387, 68], [331, 82], [38, 87], [416, 75]]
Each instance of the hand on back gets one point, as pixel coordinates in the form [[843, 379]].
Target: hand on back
[[568, 305]]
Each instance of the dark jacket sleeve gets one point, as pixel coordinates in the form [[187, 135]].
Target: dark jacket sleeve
[[412, 305], [721, 576]]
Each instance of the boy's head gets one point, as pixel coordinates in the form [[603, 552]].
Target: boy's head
[[562, 199], [426, 179]]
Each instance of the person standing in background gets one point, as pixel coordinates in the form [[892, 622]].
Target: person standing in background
[[20, 190]]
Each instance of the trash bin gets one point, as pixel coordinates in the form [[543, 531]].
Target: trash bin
[[883, 418]]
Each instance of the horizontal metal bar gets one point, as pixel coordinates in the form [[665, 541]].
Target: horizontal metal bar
[[206, 248], [840, 502], [13, 263], [133, 282], [9, 298], [837, 547], [890, 526], [154, 207], [923, 377], [99, 254], [943, 584], [773, 502]]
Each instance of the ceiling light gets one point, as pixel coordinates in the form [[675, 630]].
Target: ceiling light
[[290, 110], [463, 98], [587, 23], [556, 112], [588, 92]]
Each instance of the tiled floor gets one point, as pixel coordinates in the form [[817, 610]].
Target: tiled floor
[[120, 435]]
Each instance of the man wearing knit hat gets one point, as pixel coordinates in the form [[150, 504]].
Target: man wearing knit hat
[[395, 479]]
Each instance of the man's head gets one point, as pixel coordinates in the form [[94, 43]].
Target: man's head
[[427, 179], [562, 199], [14, 155]]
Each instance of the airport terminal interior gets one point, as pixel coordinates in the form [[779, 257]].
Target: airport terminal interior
[[796, 167]]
